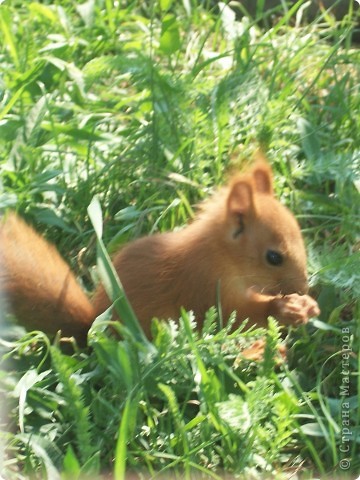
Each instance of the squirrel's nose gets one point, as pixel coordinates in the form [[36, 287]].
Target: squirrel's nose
[[299, 286], [303, 290]]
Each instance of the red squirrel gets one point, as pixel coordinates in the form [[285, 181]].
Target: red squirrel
[[242, 242]]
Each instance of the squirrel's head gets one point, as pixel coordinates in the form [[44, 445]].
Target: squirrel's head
[[264, 238]]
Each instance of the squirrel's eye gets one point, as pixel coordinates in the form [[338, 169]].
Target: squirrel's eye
[[274, 258]]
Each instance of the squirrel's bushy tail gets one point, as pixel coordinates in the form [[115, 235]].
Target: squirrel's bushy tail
[[37, 285]]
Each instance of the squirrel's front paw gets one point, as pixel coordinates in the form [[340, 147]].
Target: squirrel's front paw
[[294, 309]]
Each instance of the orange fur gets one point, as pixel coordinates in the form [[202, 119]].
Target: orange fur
[[224, 248], [38, 285]]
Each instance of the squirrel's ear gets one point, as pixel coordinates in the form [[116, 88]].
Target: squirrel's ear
[[240, 199], [263, 179]]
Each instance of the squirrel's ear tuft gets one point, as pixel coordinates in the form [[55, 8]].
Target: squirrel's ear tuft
[[263, 178], [240, 199]]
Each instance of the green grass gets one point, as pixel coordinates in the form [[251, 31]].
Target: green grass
[[148, 105]]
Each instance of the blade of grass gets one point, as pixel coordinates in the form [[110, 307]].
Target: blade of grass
[[121, 444], [5, 22], [111, 280]]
